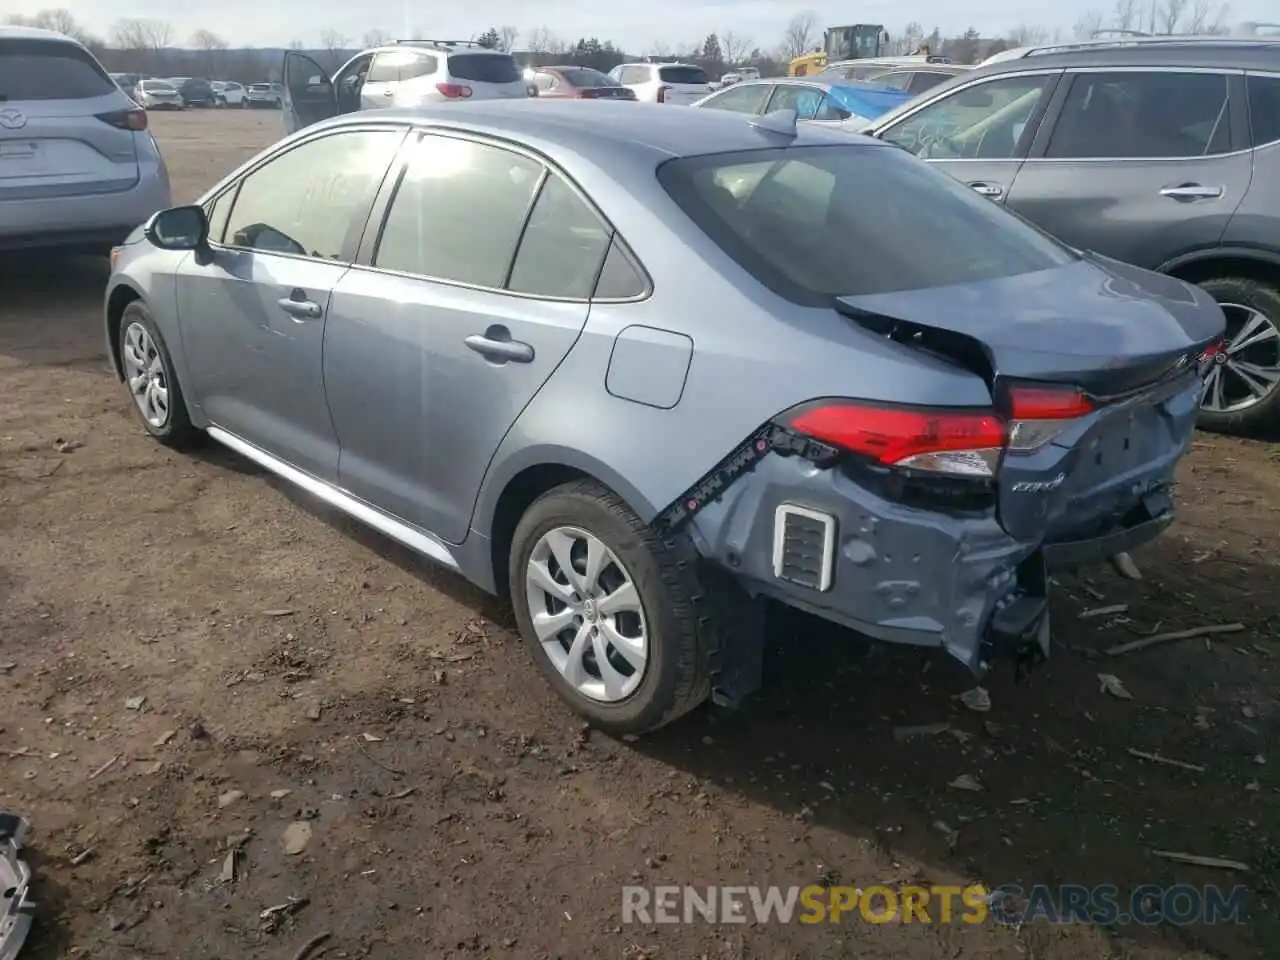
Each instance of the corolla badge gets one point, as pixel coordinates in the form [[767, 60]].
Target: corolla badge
[[12, 119], [1039, 486]]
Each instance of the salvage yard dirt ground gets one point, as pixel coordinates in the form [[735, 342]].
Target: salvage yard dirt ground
[[195, 658]]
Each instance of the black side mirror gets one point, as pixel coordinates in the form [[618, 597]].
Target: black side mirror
[[179, 228]]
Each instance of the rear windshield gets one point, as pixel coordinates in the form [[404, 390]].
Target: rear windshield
[[812, 223], [49, 70], [157, 86], [484, 68], [682, 75], [586, 77]]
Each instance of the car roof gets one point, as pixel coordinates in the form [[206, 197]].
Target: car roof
[[600, 130], [15, 32], [658, 63], [433, 46], [1254, 53]]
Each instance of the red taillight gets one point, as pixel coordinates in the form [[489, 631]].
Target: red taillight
[[1037, 414], [1048, 403], [956, 441], [454, 91], [1215, 352], [662, 94], [125, 119]]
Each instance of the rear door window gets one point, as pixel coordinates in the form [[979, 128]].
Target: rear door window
[[484, 68], [745, 99], [683, 75], [1135, 114], [811, 223], [804, 100], [562, 247], [1264, 109], [49, 70], [987, 121], [458, 212]]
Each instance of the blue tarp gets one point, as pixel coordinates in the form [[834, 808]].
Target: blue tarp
[[868, 100]]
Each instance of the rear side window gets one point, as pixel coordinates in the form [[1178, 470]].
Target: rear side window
[[811, 223], [484, 68], [1264, 109], [586, 77], [562, 247], [635, 75], [1134, 115], [400, 65], [49, 70], [683, 75], [458, 212], [748, 98]]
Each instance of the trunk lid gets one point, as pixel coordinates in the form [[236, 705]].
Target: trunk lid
[[1128, 338], [685, 84], [52, 142], [492, 76], [60, 148]]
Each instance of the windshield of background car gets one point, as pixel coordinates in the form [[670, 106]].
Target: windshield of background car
[[484, 68], [812, 223], [683, 75], [49, 70]]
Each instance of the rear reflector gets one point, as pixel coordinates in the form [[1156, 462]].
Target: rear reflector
[[960, 442], [454, 91], [125, 119]]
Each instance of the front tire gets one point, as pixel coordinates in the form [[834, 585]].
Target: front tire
[[610, 610], [150, 379], [1242, 394]]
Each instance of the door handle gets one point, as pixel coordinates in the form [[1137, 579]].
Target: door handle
[[496, 345], [1191, 191], [388, 93], [299, 307], [984, 189]]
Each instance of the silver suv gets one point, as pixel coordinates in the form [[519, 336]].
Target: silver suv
[[405, 74], [78, 169], [1163, 152]]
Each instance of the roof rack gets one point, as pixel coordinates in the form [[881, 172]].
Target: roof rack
[[422, 41], [1145, 40]]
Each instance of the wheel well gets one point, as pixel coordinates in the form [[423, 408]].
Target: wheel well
[[524, 488], [1248, 268], [121, 297]]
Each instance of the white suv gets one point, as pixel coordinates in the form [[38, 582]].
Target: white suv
[[681, 83], [403, 74]]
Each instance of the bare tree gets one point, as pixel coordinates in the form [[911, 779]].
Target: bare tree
[[1205, 18], [137, 34], [1126, 15], [734, 47], [1026, 35], [1086, 25], [659, 49], [507, 37], [207, 41], [376, 38], [333, 43], [798, 37], [1170, 14], [59, 20]]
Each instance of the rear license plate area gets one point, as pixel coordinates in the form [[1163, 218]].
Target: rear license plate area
[[16, 151]]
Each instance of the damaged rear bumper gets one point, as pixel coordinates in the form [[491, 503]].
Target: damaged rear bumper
[[16, 911], [893, 572]]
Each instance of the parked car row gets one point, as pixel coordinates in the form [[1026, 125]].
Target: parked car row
[[168, 93]]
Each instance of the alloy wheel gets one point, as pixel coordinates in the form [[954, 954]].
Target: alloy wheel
[[1249, 369], [587, 615], [145, 373]]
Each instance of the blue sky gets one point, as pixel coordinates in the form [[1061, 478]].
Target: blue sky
[[636, 27]]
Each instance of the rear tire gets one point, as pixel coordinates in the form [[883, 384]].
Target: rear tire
[[148, 375], [673, 623], [1255, 306]]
